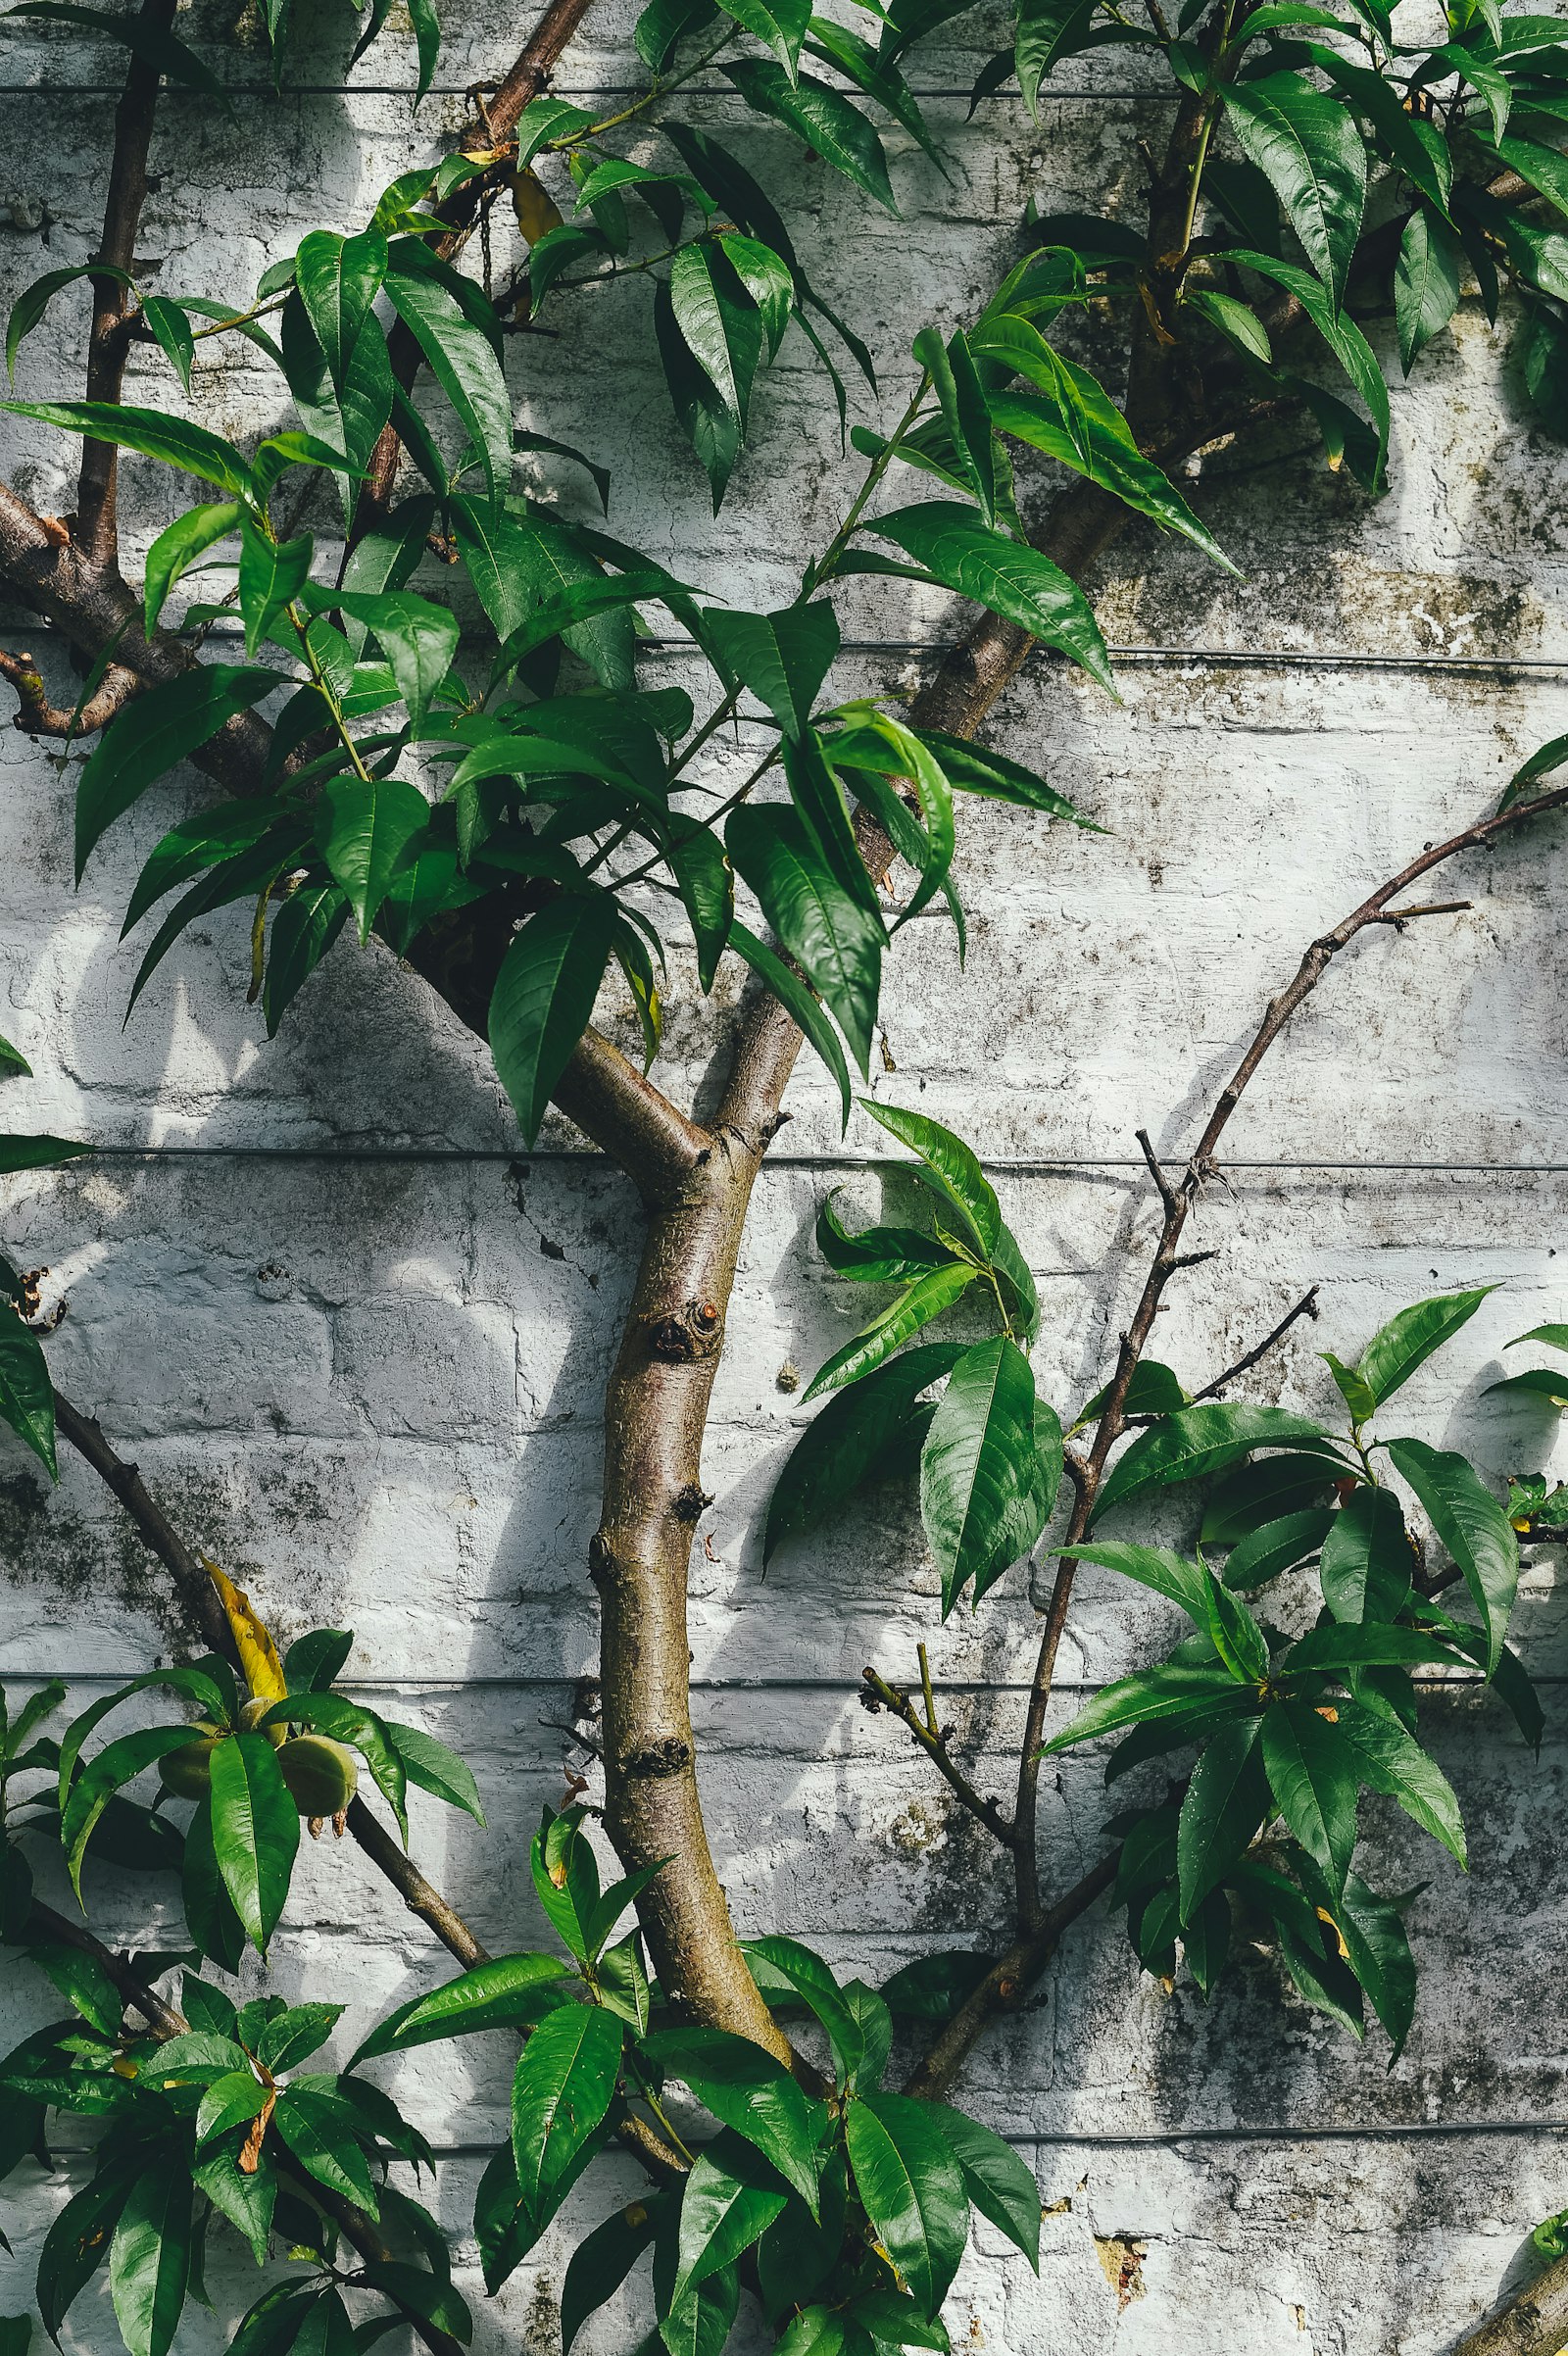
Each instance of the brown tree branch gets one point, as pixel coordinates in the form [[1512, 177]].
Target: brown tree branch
[[933, 1741], [109, 339], [36, 716], [1535, 2323], [1306, 1306]]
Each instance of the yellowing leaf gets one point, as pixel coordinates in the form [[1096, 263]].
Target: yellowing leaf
[[534, 206], [258, 1654]]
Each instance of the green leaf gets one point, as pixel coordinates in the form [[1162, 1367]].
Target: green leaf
[[785, 1970], [1408, 1339], [39, 1153], [708, 422], [1366, 1562], [1276, 1546], [1540, 1382], [116, 1764], [797, 1003], [781, 23], [210, 1916], [544, 999], [435, 1769], [153, 732], [750, 2094], [177, 549], [1197, 1440], [702, 2323], [78, 2241], [721, 325], [1472, 1525], [926, 1299], [996, 2181], [172, 330], [767, 279], [364, 829], [255, 1832], [912, 2190], [506, 1992], [149, 2262], [962, 396], [783, 658], [844, 1445], [461, 358], [1340, 332], [729, 2201], [35, 300], [1228, 1626], [320, 2132], [1392, 1761], [303, 931], [1417, 147], [418, 636], [706, 889], [1047, 30], [1226, 1800], [271, 579], [1011, 579], [835, 45], [232, 2100], [1307, 146], [820, 115], [26, 1393], [951, 1169], [977, 770], [174, 440], [819, 801], [837, 941], [1255, 1494], [1236, 322], [985, 1496], [339, 278], [602, 2261], [1377, 1948], [14, 1063], [1178, 1690], [1313, 1771], [1355, 1393], [561, 2090], [877, 1255]]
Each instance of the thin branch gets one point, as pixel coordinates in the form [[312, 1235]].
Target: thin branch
[[36, 716], [165, 2022], [109, 340], [1306, 1306], [933, 1741]]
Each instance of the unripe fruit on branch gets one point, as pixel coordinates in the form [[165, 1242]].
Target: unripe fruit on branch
[[188, 1770], [321, 1775], [250, 1715]]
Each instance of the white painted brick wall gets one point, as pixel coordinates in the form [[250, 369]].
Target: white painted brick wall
[[372, 1382]]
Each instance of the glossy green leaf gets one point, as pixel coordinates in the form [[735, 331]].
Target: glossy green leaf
[[748, 2093], [1338, 331], [364, 831], [1366, 1563], [781, 23], [1408, 1339], [783, 658], [26, 1393], [721, 325], [1047, 30], [1250, 1496], [797, 1003], [506, 1992], [1006, 575], [1237, 321], [560, 2092], [1177, 1691], [822, 117], [844, 1445], [1225, 1803], [1308, 147], [174, 440], [977, 770], [708, 420], [1197, 1440], [912, 2189], [1312, 1770], [601, 2263], [729, 2200], [877, 1255], [1377, 1949], [149, 2260], [116, 1764], [984, 1494], [462, 360], [837, 941], [1475, 1530], [79, 2240], [544, 999], [435, 1769], [339, 278], [155, 731], [1392, 1761], [35, 300], [271, 579], [950, 1169], [996, 2179], [232, 2100], [923, 1301], [320, 2132], [303, 929], [956, 383], [255, 1832], [1276, 1546]]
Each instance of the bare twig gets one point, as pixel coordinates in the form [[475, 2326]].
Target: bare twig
[[109, 342], [933, 1741], [1306, 1306]]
